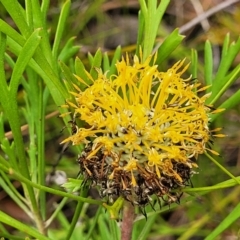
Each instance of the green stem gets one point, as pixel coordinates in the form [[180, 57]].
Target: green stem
[[41, 149], [74, 220], [94, 224], [84, 193], [226, 184], [22, 179], [56, 211]]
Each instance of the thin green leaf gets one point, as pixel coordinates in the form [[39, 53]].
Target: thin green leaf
[[45, 47], [169, 44], [3, 229], [12, 193], [106, 62], [93, 225], [69, 77], [3, 81], [40, 130], [24, 57], [6, 102], [114, 229], [74, 220], [147, 228], [194, 65], [72, 185], [12, 33], [225, 46], [222, 168], [56, 211], [143, 7], [12, 237], [14, 8], [62, 219], [220, 82], [81, 72], [42, 67], [103, 228], [208, 64], [152, 19], [44, 8], [2, 130], [29, 14], [60, 27], [11, 63], [90, 58], [116, 57], [8, 150], [230, 219], [227, 60], [140, 31], [77, 212], [70, 54], [228, 104], [96, 63], [225, 84]]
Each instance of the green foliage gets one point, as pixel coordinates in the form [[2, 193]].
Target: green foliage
[[169, 45], [45, 70]]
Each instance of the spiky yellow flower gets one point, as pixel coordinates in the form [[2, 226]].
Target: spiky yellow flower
[[145, 129]]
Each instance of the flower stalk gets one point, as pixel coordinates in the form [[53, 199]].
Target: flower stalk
[[127, 221]]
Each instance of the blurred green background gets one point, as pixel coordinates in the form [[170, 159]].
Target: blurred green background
[[107, 24]]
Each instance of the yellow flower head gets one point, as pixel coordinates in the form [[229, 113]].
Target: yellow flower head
[[145, 128]]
